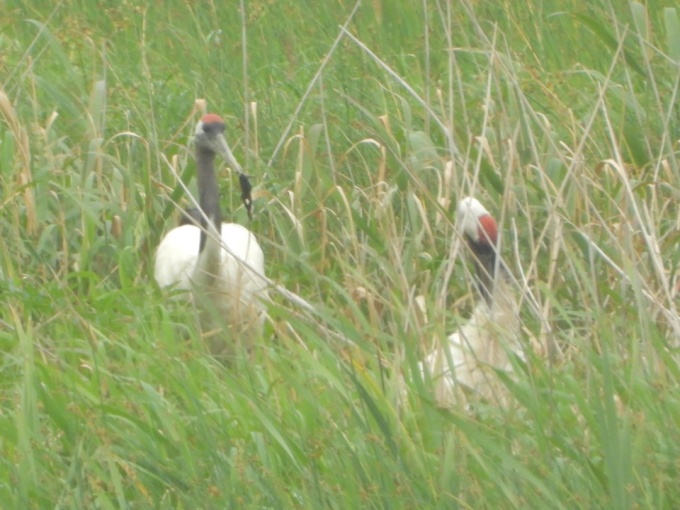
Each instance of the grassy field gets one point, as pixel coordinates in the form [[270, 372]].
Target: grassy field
[[361, 126]]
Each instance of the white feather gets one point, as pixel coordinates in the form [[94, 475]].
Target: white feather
[[239, 289], [463, 367]]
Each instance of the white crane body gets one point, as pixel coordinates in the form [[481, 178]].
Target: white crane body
[[463, 367]]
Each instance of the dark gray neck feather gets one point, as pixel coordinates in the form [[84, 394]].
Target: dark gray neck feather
[[485, 268], [208, 191]]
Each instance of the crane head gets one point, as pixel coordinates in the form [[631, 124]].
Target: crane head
[[477, 224], [481, 232], [209, 136]]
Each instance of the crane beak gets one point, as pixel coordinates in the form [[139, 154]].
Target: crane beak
[[223, 148]]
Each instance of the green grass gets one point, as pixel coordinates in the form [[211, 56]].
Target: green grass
[[562, 118]]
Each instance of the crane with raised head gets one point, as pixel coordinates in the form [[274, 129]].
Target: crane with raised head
[[221, 264], [463, 367]]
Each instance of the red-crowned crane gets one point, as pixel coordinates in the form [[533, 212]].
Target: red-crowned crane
[[463, 367], [225, 273]]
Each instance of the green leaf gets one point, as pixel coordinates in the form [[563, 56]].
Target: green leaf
[[672, 22], [610, 41]]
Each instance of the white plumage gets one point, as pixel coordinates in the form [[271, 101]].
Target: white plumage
[[463, 367], [177, 256], [224, 274]]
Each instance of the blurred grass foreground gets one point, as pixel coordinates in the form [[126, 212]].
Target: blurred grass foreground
[[361, 126]]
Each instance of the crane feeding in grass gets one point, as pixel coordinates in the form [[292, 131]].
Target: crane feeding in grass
[[221, 264], [464, 367]]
